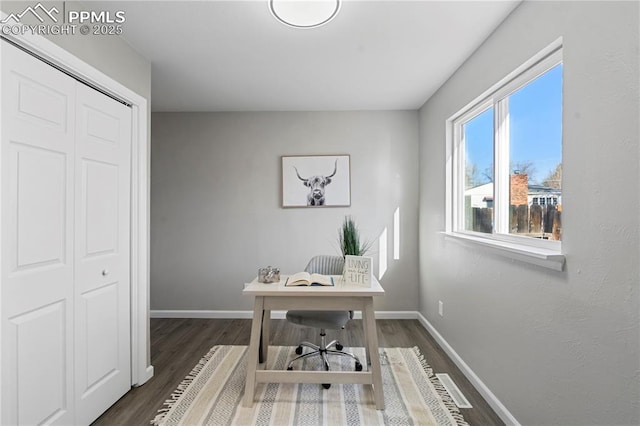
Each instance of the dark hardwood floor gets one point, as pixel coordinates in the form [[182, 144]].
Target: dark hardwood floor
[[178, 344]]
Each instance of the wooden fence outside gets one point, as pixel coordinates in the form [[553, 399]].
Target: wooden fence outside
[[535, 221]]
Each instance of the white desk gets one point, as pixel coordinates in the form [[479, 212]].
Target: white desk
[[340, 297]]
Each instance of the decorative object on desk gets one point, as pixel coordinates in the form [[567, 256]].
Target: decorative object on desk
[[213, 391], [307, 279], [268, 275], [316, 181], [349, 239], [357, 270]]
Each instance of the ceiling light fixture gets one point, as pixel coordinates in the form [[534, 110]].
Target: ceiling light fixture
[[304, 13]]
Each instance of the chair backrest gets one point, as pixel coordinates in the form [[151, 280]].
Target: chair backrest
[[325, 264]]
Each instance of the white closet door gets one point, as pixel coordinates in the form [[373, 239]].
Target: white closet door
[[37, 121], [103, 347], [65, 227]]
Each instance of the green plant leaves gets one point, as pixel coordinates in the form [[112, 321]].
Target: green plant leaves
[[349, 239]]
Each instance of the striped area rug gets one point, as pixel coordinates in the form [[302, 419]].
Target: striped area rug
[[212, 393]]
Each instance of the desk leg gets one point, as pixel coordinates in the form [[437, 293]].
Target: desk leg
[[254, 348], [366, 339], [264, 336], [372, 345]]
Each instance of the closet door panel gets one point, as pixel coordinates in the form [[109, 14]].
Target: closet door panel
[[37, 166], [39, 334], [103, 140], [100, 208], [39, 195]]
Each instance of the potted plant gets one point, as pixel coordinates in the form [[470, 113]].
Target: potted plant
[[349, 239]]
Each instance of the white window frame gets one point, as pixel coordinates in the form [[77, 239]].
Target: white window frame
[[545, 253]]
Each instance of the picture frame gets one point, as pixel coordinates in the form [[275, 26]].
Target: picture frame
[[316, 181]]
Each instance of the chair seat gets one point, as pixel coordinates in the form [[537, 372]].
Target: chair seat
[[331, 320]]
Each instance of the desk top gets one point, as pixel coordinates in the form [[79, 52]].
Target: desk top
[[256, 288]]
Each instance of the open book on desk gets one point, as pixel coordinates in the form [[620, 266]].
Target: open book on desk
[[306, 279]]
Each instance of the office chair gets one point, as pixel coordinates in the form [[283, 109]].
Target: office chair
[[332, 320]]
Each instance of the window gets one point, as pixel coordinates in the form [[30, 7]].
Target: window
[[506, 175]]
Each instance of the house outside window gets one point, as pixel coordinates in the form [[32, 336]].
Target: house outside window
[[505, 179]]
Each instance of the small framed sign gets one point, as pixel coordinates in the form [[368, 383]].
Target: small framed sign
[[358, 270]]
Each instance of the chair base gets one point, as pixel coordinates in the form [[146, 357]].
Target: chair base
[[323, 351]]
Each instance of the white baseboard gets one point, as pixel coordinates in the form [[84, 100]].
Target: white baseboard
[[486, 393], [274, 314]]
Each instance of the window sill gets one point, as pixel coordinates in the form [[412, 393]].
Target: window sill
[[545, 258]]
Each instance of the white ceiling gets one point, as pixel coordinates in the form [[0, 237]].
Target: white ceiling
[[234, 56]]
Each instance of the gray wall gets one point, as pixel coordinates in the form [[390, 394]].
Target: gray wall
[[555, 348], [216, 214]]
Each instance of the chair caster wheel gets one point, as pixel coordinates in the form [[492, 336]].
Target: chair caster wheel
[[339, 346], [291, 368], [326, 385], [358, 366], [299, 350]]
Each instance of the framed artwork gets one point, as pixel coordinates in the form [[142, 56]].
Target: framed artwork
[[316, 181]]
